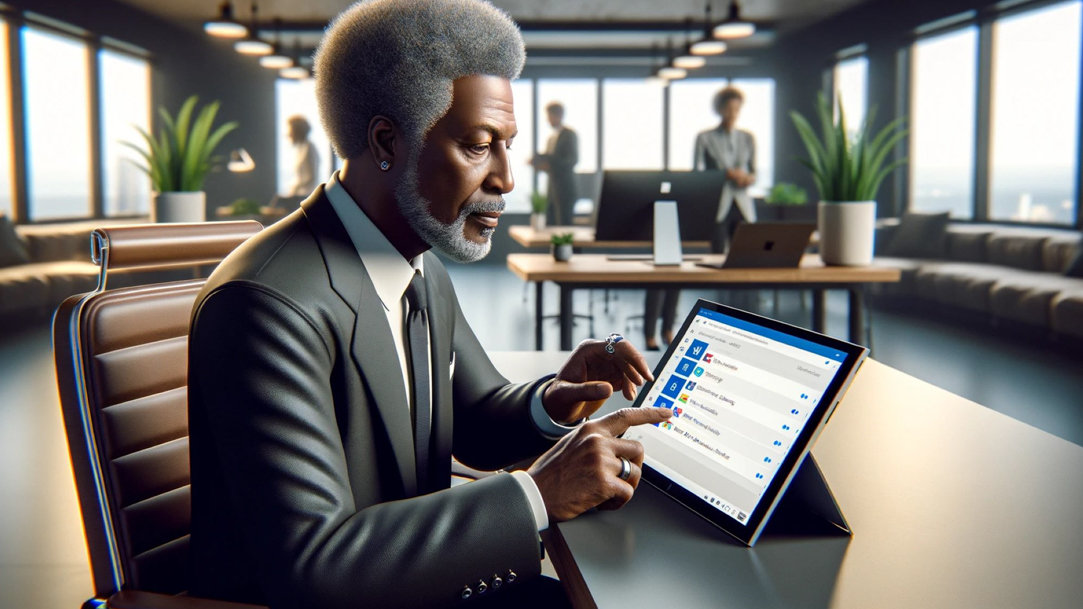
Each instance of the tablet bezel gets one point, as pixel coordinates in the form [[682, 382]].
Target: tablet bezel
[[749, 532]]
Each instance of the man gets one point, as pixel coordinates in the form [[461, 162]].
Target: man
[[305, 158], [723, 148], [559, 161], [332, 375]]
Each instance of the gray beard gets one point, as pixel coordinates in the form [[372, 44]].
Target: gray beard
[[447, 238]]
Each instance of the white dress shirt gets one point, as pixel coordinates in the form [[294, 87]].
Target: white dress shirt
[[391, 274]]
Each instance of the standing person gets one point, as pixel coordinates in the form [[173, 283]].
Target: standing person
[[332, 374], [559, 161], [725, 148], [306, 159]]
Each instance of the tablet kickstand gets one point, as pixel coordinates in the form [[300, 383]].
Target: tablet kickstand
[[808, 508]]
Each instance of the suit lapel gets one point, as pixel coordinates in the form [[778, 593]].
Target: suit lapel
[[372, 346]]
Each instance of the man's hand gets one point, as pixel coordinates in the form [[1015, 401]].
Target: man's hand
[[582, 470], [590, 376]]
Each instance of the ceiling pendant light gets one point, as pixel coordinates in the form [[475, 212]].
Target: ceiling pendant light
[[225, 26], [252, 45], [295, 73], [278, 59], [708, 45], [734, 26], [689, 62], [672, 73]]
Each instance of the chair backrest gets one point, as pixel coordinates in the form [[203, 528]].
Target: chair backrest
[[122, 370]]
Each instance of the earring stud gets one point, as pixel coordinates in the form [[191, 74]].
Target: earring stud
[[385, 165]]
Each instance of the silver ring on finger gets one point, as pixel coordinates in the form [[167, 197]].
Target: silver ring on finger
[[625, 469], [611, 342]]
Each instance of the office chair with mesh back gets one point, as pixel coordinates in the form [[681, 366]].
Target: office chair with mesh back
[[122, 367]]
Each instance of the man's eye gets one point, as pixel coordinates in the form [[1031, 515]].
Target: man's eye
[[479, 148]]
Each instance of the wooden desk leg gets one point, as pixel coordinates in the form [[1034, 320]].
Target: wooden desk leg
[[819, 321], [571, 578], [566, 317], [539, 316], [857, 314]]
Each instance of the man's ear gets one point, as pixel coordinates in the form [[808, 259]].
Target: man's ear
[[383, 140]]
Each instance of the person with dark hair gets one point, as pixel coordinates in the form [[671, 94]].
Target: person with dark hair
[[305, 158], [559, 160], [333, 376], [724, 148]]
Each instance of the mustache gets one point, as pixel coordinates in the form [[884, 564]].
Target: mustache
[[497, 205]]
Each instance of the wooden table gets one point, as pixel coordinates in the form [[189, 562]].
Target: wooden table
[[526, 236], [951, 504], [595, 270]]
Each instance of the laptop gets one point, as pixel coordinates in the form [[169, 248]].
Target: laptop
[[762, 245]]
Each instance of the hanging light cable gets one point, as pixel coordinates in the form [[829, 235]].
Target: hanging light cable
[[277, 60], [688, 60]]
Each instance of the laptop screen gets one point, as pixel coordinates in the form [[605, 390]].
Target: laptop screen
[[745, 398]]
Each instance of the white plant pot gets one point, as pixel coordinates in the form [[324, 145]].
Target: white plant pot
[[562, 253], [846, 232], [537, 222], [179, 207]]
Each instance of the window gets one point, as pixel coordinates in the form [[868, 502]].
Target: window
[[851, 87], [298, 97], [943, 98], [7, 205], [758, 118], [1035, 100], [518, 200], [125, 105], [632, 112], [57, 125], [691, 110]]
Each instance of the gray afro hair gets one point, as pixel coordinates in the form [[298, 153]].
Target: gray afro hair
[[398, 58]]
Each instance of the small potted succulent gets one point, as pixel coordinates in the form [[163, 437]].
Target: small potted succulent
[[538, 205], [562, 246]]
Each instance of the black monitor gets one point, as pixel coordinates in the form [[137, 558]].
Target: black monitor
[[626, 205]]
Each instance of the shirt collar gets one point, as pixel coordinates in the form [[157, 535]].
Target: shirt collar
[[389, 271]]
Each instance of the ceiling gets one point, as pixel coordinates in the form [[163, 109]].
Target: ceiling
[[613, 31]]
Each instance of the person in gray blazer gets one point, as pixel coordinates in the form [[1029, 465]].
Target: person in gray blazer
[[559, 160], [333, 376], [725, 148]]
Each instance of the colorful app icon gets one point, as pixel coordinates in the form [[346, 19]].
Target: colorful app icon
[[683, 399], [698, 371], [697, 349], [673, 386], [690, 386], [678, 411], [685, 367], [707, 358]]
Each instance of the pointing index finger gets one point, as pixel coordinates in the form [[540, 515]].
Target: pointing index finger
[[618, 422]]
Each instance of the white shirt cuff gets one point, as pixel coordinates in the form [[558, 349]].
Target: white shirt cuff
[[533, 496], [545, 424]]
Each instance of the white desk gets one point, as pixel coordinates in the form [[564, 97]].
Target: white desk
[[952, 505]]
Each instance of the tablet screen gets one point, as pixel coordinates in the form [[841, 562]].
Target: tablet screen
[[747, 396]]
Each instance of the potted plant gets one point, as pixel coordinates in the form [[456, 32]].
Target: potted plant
[[178, 160], [785, 193], [848, 172], [562, 246], [538, 204]]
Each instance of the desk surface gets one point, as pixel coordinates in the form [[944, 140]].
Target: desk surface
[[596, 268], [526, 236], [952, 505]]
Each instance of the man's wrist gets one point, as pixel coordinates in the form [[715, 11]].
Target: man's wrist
[[543, 421]]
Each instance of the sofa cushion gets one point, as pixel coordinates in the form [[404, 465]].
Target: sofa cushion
[[919, 236], [1075, 266], [967, 245], [961, 284], [1059, 251], [908, 269], [1067, 313], [12, 249], [1019, 250], [22, 289], [1027, 297], [54, 242]]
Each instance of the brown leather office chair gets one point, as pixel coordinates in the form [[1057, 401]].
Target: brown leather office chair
[[122, 369]]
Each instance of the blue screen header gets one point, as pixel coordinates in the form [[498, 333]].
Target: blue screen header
[[793, 341]]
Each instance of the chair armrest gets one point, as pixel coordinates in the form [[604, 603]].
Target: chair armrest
[[134, 599]]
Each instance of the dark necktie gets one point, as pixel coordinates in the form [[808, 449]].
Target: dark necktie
[[417, 333]]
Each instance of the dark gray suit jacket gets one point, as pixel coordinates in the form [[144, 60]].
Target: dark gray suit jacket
[[304, 489]]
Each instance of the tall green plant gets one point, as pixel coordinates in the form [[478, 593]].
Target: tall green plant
[[846, 169], [180, 157]]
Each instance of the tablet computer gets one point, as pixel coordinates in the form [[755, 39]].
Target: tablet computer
[[749, 397]]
